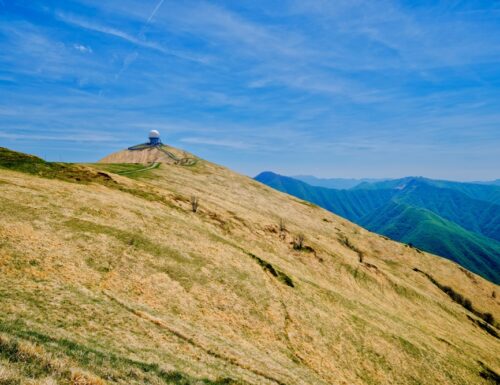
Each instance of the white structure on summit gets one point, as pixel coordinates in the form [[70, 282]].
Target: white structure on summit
[[154, 137]]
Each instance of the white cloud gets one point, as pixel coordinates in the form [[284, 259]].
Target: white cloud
[[82, 48]]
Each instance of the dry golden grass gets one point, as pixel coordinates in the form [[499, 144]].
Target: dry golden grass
[[82, 378], [133, 287], [148, 155]]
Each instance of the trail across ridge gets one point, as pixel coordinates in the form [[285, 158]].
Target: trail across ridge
[[182, 161], [151, 166], [186, 161]]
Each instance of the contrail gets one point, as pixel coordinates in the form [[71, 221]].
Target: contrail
[[133, 57], [160, 3]]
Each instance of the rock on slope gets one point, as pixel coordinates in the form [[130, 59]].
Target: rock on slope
[[115, 280]]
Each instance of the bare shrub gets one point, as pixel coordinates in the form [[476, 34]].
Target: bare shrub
[[298, 241], [194, 203], [346, 242], [282, 228], [282, 225]]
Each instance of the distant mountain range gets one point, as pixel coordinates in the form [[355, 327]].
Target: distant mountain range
[[336, 183], [347, 183], [459, 221]]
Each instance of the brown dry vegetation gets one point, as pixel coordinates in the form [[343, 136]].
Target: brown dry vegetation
[[163, 154], [121, 283]]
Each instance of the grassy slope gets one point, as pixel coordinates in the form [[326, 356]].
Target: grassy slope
[[119, 282]]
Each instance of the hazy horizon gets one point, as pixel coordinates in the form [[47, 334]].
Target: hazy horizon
[[298, 176]]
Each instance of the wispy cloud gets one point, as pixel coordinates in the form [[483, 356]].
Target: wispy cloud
[[235, 144], [127, 37], [82, 48], [115, 32]]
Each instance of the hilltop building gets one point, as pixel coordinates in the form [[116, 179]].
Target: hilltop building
[[154, 138], [154, 141]]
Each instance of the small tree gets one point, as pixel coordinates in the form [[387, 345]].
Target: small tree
[[298, 242], [194, 203]]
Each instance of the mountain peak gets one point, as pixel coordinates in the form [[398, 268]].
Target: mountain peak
[[147, 153]]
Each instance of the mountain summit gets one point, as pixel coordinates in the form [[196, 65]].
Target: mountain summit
[[151, 152], [193, 274]]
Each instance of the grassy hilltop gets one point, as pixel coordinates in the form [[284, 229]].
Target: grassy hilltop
[[113, 279]]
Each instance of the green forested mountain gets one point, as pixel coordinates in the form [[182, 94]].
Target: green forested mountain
[[350, 204], [460, 221], [485, 192]]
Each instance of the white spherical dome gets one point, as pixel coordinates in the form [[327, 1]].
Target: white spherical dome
[[154, 134]]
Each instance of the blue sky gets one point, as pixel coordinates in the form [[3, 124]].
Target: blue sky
[[345, 88]]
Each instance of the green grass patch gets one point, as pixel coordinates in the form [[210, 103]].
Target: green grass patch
[[405, 291], [489, 374], [118, 168], [185, 268], [133, 239], [409, 348], [130, 170], [359, 274], [36, 363], [33, 165]]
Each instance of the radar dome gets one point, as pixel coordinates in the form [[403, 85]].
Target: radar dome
[[154, 134]]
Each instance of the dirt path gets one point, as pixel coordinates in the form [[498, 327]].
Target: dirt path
[[150, 167]]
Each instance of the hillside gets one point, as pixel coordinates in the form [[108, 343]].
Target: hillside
[[113, 279], [460, 221]]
